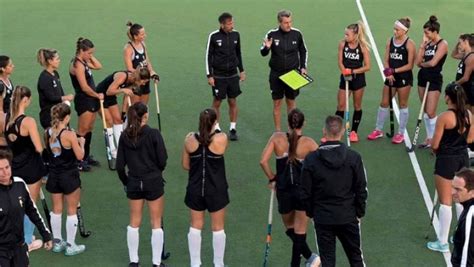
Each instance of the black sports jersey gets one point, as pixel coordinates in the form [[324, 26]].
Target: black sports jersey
[[207, 172], [6, 92], [288, 173], [461, 69], [89, 78], [61, 159], [50, 92], [452, 142], [398, 56], [430, 51], [104, 84], [139, 58], [352, 58]]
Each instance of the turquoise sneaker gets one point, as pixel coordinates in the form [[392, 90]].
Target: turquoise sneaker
[[72, 250], [59, 245], [437, 246]]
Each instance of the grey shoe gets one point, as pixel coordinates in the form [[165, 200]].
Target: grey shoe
[[313, 261], [233, 135]]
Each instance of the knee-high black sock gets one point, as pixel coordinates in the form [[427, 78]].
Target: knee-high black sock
[[296, 253], [356, 118], [87, 145], [340, 113], [290, 232], [303, 246]]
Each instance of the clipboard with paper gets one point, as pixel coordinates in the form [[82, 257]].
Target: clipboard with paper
[[295, 80]]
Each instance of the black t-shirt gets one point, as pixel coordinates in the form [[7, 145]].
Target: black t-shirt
[[50, 92]]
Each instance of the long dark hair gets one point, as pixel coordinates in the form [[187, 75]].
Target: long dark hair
[[432, 24], [207, 118], [4, 62], [58, 114], [295, 121], [134, 119], [83, 44], [133, 30], [456, 94]]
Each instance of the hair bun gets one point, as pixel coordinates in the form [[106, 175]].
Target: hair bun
[[433, 18], [129, 24]]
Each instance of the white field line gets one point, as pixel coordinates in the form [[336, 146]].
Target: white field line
[[414, 161]]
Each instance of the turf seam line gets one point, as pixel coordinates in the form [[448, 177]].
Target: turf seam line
[[414, 161]]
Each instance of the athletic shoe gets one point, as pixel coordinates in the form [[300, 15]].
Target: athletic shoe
[[161, 265], [323, 140], [59, 245], [451, 239], [426, 144], [398, 138], [375, 134], [313, 261], [75, 249], [35, 244], [83, 166], [91, 161], [437, 246], [217, 130], [134, 264], [233, 135], [353, 137]]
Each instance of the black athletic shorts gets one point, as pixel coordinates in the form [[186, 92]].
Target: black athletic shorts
[[31, 170], [110, 101], [446, 166], [357, 83], [435, 79], [15, 257], [212, 202], [402, 79], [149, 189], [83, 103], [226, 87], [289, 201], [280, 89], [64, 182]]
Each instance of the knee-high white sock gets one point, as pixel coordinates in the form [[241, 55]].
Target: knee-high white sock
[[403, 120], [56, 221], [218, 244], [445, 216], [381, 116], [132, 242], [110, 138], [71, 229], [118, 129], [459, 209], [426, 121], [194, 244], [431, 128], [156, 245]]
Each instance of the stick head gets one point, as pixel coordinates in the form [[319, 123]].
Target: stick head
[[389, 135], [411, 149], [85, 234]]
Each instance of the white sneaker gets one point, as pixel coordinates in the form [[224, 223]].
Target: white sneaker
[[313, 261], [75, 249]]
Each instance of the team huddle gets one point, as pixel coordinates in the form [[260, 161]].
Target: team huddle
[[326, 183]]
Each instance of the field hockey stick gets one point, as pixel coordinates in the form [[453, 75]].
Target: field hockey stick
[[392, 123], [80, 219], [346, 115], [45, 208], [418, 122], [269, 230], [110, 160], [157, 105], [435, 202], [164, 255]]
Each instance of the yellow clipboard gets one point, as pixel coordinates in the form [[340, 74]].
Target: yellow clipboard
[[295, 80]]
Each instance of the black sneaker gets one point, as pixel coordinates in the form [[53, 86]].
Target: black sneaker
[[91, 161], [217, 131], [83, 166], [134, 264], [233, 135]]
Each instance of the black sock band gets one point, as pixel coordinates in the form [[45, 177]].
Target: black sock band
[[87, 144], [290, 232], [340, 113]]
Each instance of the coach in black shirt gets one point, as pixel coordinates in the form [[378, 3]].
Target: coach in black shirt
[[334, 188], [288, 53]]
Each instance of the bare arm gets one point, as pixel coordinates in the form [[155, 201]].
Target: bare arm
[[127, 57], [94, 63], [186, 148], [411, 57], [148, 61], [387, 54], [339, 56], [265, 158], [469, 63], [470, 135], [114, 87], [76, 144], [366, 66], [79, 70], [439, 129]]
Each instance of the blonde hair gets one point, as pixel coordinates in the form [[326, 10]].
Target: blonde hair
[[44, 55], [359, 29], [18, 94], [58, 113]]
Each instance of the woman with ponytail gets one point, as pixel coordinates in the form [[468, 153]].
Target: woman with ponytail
[[430, 59], [86, 101], [135, 55], [290, 149], [454, 130], [353, 61], [24, 141], [64, 183], [49, 85], [464, 51], [203, 158], [399, 59], [6, 85], [142, 151]]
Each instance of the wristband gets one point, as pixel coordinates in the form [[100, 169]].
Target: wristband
[[272, 180]]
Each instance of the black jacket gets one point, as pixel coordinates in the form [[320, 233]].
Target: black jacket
[[288, 51], [145, 159], [334, 184], [223, 55], [15, 202], [460, 237]]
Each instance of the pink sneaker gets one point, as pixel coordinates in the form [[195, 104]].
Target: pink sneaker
[[398, 138], [375, 134], [35, 244], [353, 137]]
